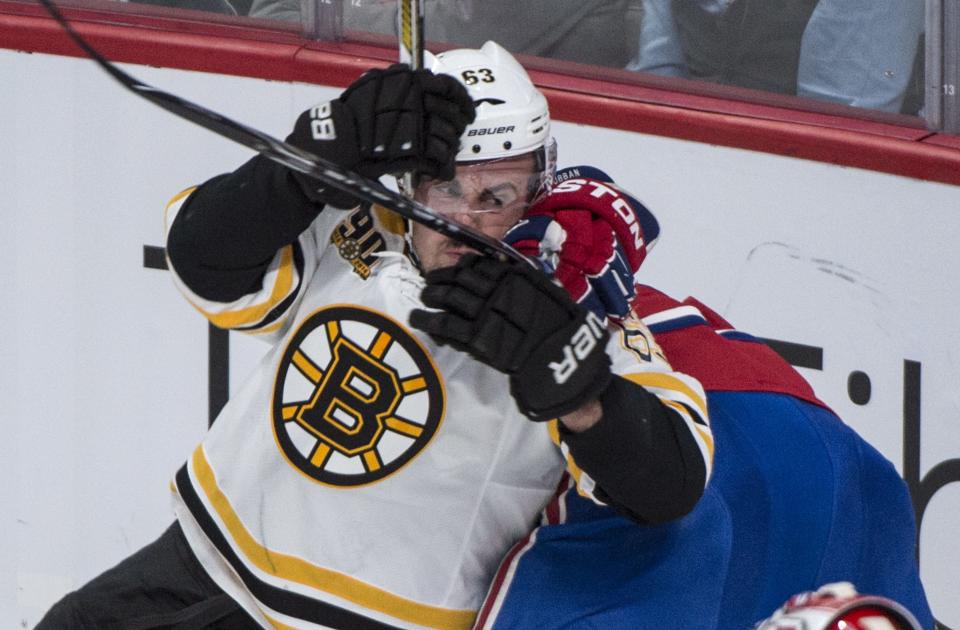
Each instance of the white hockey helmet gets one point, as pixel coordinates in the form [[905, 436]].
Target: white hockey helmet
[[512, 114]]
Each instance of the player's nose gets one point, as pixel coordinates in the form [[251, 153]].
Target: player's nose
[[467, 216]]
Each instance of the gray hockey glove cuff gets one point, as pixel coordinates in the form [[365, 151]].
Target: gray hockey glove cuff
[[514, 319], [388, 121]]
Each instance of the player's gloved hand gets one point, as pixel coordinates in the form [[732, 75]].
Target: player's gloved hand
[[514, 319], [388, 121], [592, 236]]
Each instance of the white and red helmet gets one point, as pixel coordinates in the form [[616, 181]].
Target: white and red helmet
[[839, 607]]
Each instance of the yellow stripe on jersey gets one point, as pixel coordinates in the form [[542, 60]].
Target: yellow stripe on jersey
[[666, 381], [391, 221], [320, 455], [414, 384], [176, 199], [553, 429], [706, 435], [253, 314], [333, 331], [298, 570], [370, 461], [276, 624], [403, 427], [380, 345], [306, 366], [269, 329]]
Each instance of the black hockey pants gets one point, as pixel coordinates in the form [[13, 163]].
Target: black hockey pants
[[162, 586]]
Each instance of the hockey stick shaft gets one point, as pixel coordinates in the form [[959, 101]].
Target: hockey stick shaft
[[410, 30], [297, 159]]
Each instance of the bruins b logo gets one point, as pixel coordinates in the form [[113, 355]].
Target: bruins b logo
[[356, 397]]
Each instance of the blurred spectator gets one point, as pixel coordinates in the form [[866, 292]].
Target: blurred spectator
[[855, 52], [597, 32], [226, 7]]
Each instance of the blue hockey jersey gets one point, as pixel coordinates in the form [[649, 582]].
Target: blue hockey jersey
[[797, 499]]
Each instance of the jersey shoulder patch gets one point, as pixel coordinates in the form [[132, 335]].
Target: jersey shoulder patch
[[358, 241]]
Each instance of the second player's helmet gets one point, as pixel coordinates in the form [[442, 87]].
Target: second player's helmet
[[839, 607], [512, 114]]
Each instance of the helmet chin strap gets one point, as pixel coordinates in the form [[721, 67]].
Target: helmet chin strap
[[409, 250]]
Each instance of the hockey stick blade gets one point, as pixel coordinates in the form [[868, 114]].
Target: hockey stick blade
[[297, 159]]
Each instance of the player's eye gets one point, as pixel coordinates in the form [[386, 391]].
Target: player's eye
[[496, 201], [451, 188], [491, 202]]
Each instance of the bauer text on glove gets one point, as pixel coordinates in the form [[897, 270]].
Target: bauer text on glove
[[514, 319]]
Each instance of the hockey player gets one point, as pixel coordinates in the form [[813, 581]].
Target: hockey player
[[797, 499], [419, 404]]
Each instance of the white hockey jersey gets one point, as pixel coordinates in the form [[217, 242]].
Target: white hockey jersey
[[364, 476]]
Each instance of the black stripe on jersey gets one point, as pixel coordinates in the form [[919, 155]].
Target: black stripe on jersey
[[697, 417], [286, 602], [282, 307]]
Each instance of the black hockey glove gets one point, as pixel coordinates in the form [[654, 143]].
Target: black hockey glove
[[387, 122], [514, 319]]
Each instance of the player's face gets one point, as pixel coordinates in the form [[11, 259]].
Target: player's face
[[488, 196]]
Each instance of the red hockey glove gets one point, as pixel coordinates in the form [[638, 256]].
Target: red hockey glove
[[592, 236], [583, 256]]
